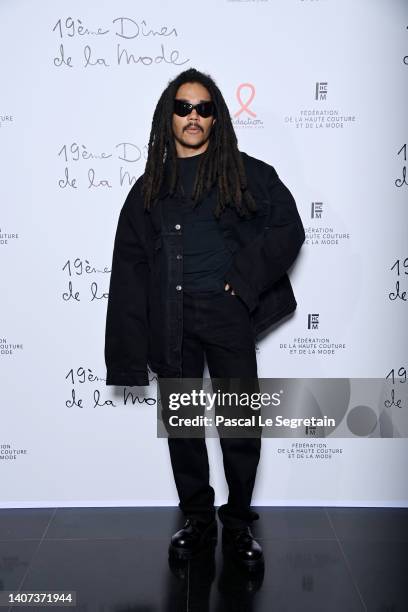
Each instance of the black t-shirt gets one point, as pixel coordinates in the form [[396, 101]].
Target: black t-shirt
[[206, 257]]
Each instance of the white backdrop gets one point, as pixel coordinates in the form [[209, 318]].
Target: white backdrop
[[315, 88]]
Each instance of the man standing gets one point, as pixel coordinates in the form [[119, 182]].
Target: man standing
[[202, 249]]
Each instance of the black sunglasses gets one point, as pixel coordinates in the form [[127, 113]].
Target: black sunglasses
[[204, 109]]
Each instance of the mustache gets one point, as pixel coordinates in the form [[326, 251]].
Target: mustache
[[193, 125]]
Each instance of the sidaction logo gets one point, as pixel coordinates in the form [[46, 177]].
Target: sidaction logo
[[245, 116]]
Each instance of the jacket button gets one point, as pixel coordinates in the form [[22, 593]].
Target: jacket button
[[177, 226], [178, 256], [178, 287]]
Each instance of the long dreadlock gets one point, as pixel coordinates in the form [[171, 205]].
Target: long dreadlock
[[221, 164]]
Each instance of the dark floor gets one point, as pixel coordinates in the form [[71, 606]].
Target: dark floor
[[316, 559]]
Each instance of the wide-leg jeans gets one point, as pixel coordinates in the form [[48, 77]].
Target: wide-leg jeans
[[216, 325]]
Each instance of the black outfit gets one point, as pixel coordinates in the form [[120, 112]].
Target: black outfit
[[216, 324], [144, 323], [206, 257]]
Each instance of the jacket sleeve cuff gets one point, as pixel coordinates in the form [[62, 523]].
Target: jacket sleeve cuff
[[137, 378], [243, 290]]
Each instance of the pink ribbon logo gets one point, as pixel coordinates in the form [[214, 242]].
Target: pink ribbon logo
[[245, 105]]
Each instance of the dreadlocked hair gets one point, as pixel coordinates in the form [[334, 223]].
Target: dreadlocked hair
[[221, 164]]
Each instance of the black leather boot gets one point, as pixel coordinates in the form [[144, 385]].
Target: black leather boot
[[192, 538], [241, 545]]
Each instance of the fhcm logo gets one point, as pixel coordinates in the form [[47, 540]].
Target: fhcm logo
[[321, 90]]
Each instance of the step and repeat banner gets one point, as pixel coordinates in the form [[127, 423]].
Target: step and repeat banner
[[318, 90]]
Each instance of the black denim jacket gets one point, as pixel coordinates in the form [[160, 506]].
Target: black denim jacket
[[144, 321]]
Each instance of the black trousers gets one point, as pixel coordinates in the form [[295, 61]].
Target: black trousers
[[216, 325]]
